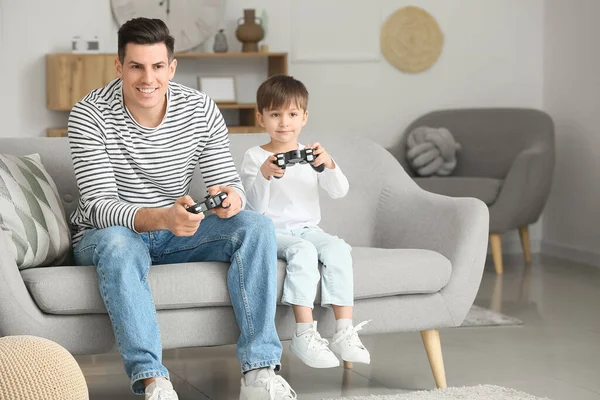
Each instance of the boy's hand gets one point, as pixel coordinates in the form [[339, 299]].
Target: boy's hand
[[269, 168], [231, 205], [181, 222], [321, 156]]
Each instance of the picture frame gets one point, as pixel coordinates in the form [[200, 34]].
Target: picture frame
[[221, 89]]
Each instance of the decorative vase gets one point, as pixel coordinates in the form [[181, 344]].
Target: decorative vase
[[220, 45], [249, 32]]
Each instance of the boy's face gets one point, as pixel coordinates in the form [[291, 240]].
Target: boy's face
[[284, 124], [145, 72]]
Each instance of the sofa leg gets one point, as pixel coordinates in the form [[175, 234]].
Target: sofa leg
[[347, 365], [524, 234], [496, 243], [433, 348]]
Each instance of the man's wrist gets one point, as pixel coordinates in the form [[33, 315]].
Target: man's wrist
[[151, 219]]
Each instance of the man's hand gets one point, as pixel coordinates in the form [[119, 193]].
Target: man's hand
[[180, 221], [269, 168], [321, 156], [231, 205]]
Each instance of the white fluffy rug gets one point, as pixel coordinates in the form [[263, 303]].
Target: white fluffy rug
[[479, 316], [481, 392]]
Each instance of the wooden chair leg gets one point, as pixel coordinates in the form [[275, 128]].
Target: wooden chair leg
[[496, 243], [433, 348], [347, 364], [524, 234]]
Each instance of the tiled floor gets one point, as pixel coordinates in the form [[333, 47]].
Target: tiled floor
[[556, 353]]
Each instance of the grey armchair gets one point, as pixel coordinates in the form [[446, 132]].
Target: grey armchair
[[506, 160]]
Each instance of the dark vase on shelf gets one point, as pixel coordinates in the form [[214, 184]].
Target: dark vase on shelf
[[249, 32]]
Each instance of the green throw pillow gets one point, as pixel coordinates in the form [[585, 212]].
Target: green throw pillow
[[31, 212]]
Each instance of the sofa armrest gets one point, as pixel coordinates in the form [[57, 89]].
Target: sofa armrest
[[457, 228], [525, 189], [18, 312]]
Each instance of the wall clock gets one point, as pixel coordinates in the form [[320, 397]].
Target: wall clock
[[191, 22]]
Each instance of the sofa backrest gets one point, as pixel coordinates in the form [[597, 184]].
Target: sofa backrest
[[491, 138], [366, 165]]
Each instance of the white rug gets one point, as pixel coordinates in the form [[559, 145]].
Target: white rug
[[481, 392], [479, 316]]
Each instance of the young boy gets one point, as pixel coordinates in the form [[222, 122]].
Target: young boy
[[290, 197]]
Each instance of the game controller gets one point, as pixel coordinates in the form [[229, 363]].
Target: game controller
[[209, 203], [293, 157]]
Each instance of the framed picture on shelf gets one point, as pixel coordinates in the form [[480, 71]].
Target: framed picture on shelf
[[220, 88]]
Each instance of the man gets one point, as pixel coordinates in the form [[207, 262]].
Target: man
[[135, 144]]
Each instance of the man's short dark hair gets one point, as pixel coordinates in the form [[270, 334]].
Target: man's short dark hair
[[144, 31]]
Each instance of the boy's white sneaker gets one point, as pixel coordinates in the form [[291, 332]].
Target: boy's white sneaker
[[160, 389], [267, 386], [348, 346], [313, 350]]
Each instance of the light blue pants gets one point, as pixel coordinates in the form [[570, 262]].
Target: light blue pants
[[303, 248], [123, 259]]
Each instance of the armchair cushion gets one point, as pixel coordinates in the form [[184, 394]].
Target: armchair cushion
[[484, 189], [31, 212]]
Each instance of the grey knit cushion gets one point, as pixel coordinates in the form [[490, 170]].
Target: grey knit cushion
[[31, 212], [431, 151]]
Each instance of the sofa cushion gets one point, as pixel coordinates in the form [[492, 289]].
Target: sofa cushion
[[377, 273], [484, 189], [31, 212]]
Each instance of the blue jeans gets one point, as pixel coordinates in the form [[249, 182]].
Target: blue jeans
[[123, 259], [303, 248]]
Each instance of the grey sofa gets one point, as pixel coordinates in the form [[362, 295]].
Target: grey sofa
[[506, 161], [418, 262]]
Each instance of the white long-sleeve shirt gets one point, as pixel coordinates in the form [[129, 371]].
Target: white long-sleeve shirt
[[121, 166], [292, 201]]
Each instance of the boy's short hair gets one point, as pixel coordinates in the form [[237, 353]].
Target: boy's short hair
[[144, 31], [281, 91]]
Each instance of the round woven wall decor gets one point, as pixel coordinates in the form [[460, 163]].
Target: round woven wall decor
[[411, 39]]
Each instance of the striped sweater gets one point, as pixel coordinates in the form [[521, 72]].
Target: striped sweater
[[121, 166]]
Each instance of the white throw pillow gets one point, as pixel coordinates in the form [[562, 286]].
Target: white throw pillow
[[31, 212]]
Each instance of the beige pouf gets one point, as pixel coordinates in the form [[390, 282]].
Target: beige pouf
[[33, 368]]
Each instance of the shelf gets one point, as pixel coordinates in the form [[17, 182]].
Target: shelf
[[256, 54], [62, 132], [245, 129], [237, 106], [56, 132], [229, 55], [71, 76]]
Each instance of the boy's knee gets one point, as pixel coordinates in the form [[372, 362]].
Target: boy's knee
[[304, 250], [336, 250]]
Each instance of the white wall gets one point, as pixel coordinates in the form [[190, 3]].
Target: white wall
[[572, 96], [492, 56]]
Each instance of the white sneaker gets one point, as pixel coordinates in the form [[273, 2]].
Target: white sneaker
[[267, 386], [313, 350], [348, 346], [161, 389]]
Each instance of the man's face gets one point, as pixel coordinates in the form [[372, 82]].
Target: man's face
[[145, 72]]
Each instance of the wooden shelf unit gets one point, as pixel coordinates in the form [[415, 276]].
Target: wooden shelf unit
[[70, 76]]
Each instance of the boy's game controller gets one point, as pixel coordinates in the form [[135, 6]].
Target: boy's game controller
[[293, 157], [209, 203]]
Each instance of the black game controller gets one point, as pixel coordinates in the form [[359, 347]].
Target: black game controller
[[293, 157], [209, 203]]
